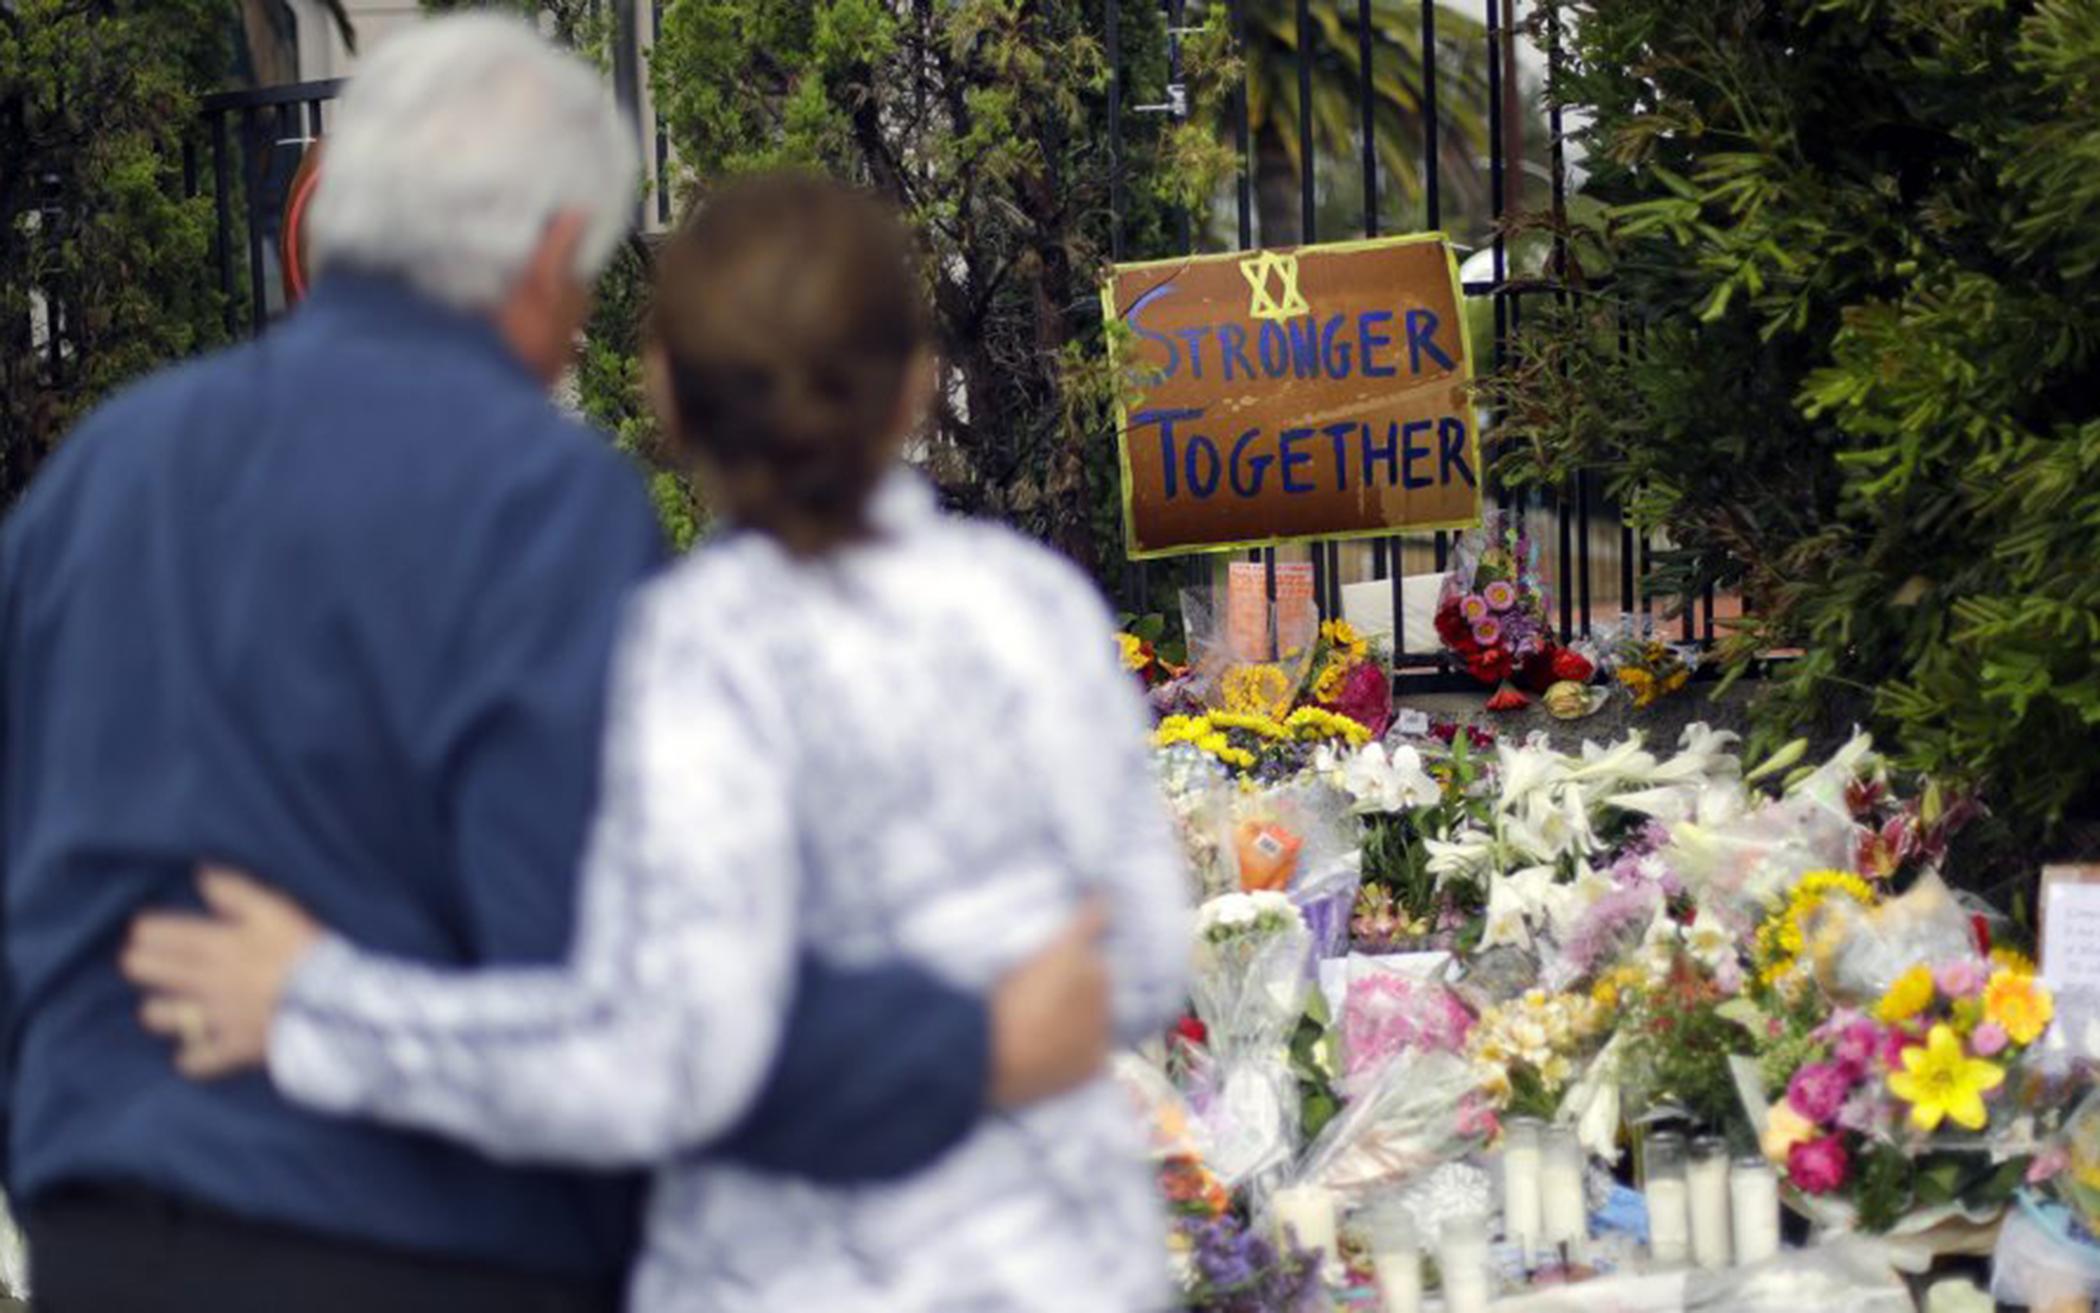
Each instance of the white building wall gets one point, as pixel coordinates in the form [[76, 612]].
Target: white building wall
[[322, 55]]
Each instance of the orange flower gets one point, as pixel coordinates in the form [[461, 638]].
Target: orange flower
[[2019, 1003]]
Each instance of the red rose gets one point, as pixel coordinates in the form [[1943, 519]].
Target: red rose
[[1451, 626], [1536, 674], [1570, 664], [1490, 665], [1192, 1029]]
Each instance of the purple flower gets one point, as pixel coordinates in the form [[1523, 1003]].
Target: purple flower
[[1818, 1090], [1964, 977], [1501, 594], [1989, 1040], [1609, 925]]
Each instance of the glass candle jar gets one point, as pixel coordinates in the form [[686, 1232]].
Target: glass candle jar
[[1564, 1207], [1462, 1259], [1753, 1205], [1522, 1210], [1706, 1197], [1388, 1231], [1663, 1184]]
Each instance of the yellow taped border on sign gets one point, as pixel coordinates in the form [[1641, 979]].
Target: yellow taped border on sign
[[1316, 392]]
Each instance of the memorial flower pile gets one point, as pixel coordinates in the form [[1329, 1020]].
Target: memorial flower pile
[[1493, 612], [1408, 938]]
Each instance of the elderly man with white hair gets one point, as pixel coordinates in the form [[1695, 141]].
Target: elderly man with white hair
[[339, 605]]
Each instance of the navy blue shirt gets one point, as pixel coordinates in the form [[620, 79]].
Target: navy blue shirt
[[337, 606]]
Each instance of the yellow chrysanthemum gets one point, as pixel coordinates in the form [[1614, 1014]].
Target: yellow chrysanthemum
[[1941, 1082], [1911, 994], [1267, 727], [1311, 724], [1135, 657], [2020, 1004], [1256, 690]]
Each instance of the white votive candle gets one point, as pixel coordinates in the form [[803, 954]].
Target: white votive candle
[[1307, 1212], [1706, 1183], [1753, 1201], [1669, 1221], [1566, 1213], [1522, 1210], [1462, 1261], [1388, 1232], [1668, 1200]]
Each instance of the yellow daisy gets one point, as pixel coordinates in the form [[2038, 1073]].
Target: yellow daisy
[[2019, 1003]]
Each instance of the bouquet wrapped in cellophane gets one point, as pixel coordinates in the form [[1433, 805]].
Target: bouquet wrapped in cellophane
[[1902, 1085], [1251, 976]]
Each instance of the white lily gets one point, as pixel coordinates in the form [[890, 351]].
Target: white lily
[[1508, 922], [1525, 771], [1382, 785], [1469, 854], [1592, 1104]]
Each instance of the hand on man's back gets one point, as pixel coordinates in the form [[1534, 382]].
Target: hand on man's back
[[1051, 1022]]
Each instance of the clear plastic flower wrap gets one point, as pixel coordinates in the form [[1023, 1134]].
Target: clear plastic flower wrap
[[1389, 1013], [1858, 951], [1301, 838], [1423, 1109], [1251, 666], [1200, 798], [1249, 986]]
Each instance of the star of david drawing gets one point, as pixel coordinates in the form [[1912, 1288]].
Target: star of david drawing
[[1267, 304]]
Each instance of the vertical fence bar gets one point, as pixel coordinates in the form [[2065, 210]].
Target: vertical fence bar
[[1308, 225], [253, 175], [1243, 129], [1498, 202], [1432, 185], [663, 134], [1367, 94], [222, 190], [1113, 40]]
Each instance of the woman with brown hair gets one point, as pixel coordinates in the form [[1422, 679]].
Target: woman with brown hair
[[849, 723]]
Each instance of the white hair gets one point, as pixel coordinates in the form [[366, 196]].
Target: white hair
[[455, 147]]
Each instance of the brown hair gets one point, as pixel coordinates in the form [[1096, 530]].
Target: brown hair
[[790, 313]]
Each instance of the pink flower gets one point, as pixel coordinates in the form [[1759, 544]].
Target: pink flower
[[1819, 1166], [2048, 1164], [1818, 1090], [1487, 631], [1474, 608], [1962, 978], [1858, 1042], [1989, 1040], [1501, 594]]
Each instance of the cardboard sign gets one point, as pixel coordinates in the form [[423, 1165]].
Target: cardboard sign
[[1317, 393]]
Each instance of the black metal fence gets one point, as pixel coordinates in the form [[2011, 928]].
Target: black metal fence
[[1591, 559], [252, 144]]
